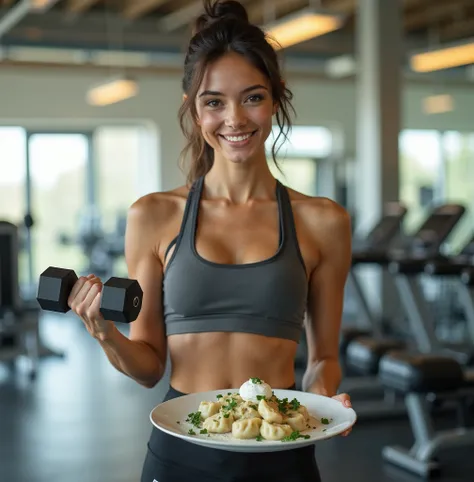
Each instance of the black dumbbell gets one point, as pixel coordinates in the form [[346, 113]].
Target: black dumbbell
[[121, 298]]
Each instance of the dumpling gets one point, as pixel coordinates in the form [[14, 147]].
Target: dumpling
[[269, 411], [296, 421], [275, 431], [208, 409], [246, 410], [304, 411], [219, 423], [246, 428]]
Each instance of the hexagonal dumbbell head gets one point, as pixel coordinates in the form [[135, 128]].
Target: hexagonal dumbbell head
[[121, 300], [55, 285]]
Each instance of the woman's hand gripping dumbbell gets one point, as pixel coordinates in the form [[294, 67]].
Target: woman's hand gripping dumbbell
[[97, 304]]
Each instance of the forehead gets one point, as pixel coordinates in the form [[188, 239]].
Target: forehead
[[231, 72]]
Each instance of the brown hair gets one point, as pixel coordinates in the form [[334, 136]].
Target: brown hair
[[224, 27]]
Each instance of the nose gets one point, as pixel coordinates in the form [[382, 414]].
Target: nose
[[236, 117]]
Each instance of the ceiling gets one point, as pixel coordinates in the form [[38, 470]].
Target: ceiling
[[159, 29]]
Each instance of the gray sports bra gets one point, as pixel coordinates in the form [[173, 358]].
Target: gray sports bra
[[266, 297]]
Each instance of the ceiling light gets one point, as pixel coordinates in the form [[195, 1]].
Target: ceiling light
[[112, 91], [443, 58], [438, 104], [301, 26]]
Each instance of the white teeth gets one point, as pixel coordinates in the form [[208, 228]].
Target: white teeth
[[237, 138]]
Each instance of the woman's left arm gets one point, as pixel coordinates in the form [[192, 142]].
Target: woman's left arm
[[332, 235]]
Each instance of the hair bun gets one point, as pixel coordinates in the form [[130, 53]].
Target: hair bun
[[220, 10]]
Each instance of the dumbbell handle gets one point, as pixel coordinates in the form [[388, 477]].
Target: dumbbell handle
[[120, 300]]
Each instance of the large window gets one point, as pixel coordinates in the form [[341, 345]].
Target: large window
[[299, 156], [437, 167], [459, 181], [78, 187], [60, 208], [420, 173]]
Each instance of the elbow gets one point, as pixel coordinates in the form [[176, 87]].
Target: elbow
[[150, 383], [153, 380]]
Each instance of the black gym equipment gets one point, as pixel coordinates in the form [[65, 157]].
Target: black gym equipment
[[19, 333], [406, 272], [458, 268], [422, 380], [364, 353], [121, 298], [432, 373], [371, 250]]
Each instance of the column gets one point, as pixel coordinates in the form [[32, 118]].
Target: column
[[378, 93]]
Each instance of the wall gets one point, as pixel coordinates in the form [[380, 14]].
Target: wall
[[54, 98]]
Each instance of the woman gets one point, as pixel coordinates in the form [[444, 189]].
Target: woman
[[231, 263]]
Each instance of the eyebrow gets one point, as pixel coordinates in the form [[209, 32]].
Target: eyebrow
[[248, 89]]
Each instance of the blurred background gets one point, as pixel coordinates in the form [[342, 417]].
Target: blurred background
[[89, 95]]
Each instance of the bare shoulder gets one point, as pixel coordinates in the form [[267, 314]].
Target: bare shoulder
[[154, 218], [320, 215], [159, 207]]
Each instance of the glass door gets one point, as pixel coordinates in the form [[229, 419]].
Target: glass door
[[58, 200]]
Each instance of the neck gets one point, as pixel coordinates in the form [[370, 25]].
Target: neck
[[240, 183]]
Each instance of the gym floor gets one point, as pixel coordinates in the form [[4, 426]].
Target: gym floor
[[82, 420]]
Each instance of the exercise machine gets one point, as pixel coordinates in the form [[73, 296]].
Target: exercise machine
[[364, 353], [372, 250], [422, 380], [19, 334]]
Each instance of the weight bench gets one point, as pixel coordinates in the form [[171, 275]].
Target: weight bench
[[420, 378]]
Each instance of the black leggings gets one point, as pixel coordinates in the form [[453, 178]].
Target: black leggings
[[170, 459]]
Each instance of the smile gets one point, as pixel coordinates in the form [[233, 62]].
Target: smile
[[239, 138]]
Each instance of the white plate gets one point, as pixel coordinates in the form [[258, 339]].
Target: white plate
[[170, 417]]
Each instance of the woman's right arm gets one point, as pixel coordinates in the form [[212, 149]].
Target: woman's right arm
[[142, 355]]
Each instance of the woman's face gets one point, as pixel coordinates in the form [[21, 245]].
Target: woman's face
[[235, 107]]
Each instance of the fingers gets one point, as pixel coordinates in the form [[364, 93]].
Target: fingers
[[94, 308], [346, 433], [345, 399], [90, 307], [81, 289]]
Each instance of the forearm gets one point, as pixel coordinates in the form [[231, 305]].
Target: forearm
[[135, 359], [323, 377]]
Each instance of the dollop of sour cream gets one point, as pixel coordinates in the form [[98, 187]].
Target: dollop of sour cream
[[253, 388]]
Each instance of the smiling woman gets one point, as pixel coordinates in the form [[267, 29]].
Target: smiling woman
[[232, 263]]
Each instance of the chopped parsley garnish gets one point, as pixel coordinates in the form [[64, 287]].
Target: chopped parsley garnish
[[219, 396], [261, 397], [282, 405], [295, 404], [226, 415], [256, 381], [325, 421], [294, 436], [194, 418], [259, 438], [230, 405], [230, 393], [253, 406], [203, 431], [191, 432]]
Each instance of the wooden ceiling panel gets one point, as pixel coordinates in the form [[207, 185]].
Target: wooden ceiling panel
[[133, 9]]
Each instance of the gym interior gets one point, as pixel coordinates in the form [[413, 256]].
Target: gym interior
[[90, 92]]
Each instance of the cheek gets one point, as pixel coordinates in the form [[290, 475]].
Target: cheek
[[209, 122]]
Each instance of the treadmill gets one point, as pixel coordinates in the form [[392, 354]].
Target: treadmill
[[461, 268], [407, 271], [369, 251], [365, 352]]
